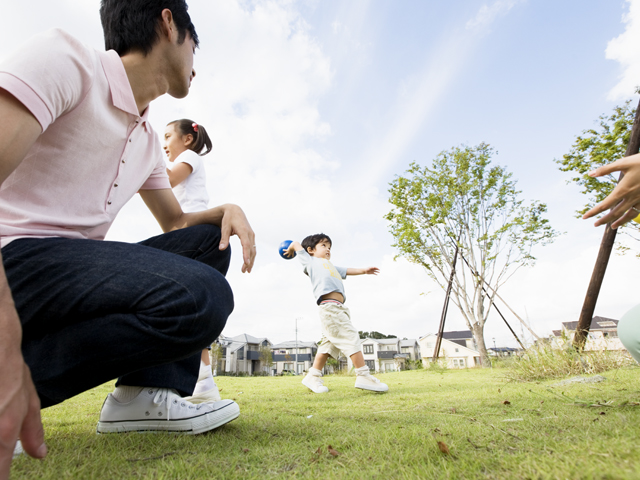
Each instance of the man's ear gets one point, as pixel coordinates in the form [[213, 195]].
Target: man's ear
[[167, 25]]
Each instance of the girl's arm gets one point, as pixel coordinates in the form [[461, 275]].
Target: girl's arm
[[179, 173], [363, 271]]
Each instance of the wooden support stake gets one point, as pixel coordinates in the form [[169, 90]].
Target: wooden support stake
[[436, 352], [608, 239]]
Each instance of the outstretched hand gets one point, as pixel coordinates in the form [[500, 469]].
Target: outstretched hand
[[371, 270], [234, 222], [624, 200]]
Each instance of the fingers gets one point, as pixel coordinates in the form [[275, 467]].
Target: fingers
[[616, 166], [225, 233], [32, 432]]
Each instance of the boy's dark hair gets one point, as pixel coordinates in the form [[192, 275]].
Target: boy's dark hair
[[199, 134], [132, 25], [312, 240]]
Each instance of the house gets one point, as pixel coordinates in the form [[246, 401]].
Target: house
[[410, 347], [603, 334], [457, 349], [241, 354], [383, 354], [503, 351], [284, 356]]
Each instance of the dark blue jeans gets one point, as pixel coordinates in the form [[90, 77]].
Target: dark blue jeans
[[92, 311]]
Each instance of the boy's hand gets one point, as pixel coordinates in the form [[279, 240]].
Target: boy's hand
[[294, 247], [371, 270]]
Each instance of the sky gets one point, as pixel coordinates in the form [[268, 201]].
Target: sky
[[314, 107]]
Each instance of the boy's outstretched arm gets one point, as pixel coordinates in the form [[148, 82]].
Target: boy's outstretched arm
[[363, 271], [293, 248]]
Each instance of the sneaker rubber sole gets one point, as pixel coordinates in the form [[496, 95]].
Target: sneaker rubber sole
[[189, 426]]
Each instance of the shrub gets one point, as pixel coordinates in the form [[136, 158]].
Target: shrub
[[545, 362]]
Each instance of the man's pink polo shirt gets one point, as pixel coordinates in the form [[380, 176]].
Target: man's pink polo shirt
[[95, 151]]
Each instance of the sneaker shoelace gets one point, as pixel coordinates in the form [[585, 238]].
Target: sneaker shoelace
[[162, 396]]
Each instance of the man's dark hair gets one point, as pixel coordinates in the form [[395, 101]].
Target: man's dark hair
[[132, 25], [312, 240]]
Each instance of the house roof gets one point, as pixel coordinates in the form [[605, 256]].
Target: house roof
[[408, 343], [387, 341], [557, 333], [457, 335], [244, 338], [292, 344], [597, 323]]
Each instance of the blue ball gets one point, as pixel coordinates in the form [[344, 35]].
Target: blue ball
[[283, 247]]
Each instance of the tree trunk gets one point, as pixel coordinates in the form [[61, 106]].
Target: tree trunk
[[478, 335]]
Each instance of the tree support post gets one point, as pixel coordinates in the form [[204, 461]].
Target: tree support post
[[608, 239], [436, 352]]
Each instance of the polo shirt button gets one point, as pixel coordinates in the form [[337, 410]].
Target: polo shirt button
[[109, 203], [115, 184], [123, 160], [129, 140]]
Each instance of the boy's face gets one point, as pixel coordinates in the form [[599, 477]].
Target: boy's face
[[322, 250]]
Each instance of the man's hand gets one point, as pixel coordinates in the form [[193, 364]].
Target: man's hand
[[624, 201], [234, 222], [19, 408]]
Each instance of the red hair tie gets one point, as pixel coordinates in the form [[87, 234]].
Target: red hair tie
[[195, 127]]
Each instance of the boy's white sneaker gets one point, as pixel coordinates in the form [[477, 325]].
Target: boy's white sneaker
[[163, 410], [369, 382], [314, 383]]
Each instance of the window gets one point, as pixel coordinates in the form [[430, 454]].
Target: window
[[430, 345], [457, 350], [455, 362], [371, 364], [288, 366], [462, 362], [367, 349], [241, 354]]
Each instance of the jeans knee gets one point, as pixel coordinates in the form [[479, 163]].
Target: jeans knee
[[214, 302]]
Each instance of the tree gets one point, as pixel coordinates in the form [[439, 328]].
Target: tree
[[464, 200], [596, 147], [374, 334], [266, 357], [216, 354]]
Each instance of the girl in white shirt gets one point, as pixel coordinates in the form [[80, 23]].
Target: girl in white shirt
[[185, 142]]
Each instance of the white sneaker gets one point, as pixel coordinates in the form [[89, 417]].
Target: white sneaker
[[369, 382], [163, 410], [314, 383], [209, 396], [17, 451]]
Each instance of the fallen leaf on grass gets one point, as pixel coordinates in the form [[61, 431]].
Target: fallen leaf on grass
[[332, 451], [453, 409], [245, 450], [506, 402], [443, 448], [602, 413]]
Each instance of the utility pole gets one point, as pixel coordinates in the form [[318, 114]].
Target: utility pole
[[296, 369]]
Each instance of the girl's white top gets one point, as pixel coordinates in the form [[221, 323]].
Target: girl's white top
[[192, 191]]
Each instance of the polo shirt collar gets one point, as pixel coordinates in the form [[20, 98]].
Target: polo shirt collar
[[121, 93]]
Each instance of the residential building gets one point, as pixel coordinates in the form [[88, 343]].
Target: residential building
[[284, 356], [603, 334], [457, 349], [384, 354], [410, 347], [241, 354]]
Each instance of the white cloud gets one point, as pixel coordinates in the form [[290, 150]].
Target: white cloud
[[489, 13], [625, 49]]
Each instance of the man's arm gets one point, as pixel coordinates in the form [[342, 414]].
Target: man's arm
[[230, 218], [363, 271], [19, 402]]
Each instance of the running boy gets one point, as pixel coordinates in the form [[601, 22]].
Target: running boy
[[338, 334]]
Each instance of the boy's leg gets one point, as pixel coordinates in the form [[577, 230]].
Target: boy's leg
[[320, 361], [92, 311], [357, 359]]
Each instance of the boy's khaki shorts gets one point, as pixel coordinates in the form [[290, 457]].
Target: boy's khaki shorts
[[338, 334]]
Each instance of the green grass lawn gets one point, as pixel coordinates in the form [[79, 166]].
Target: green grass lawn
[[492, 429]]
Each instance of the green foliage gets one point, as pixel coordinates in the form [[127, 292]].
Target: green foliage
[[462, 199], [596, 147], [373, 334], [266, 357]]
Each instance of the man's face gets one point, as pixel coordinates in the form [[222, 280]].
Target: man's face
[[180, 67]]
